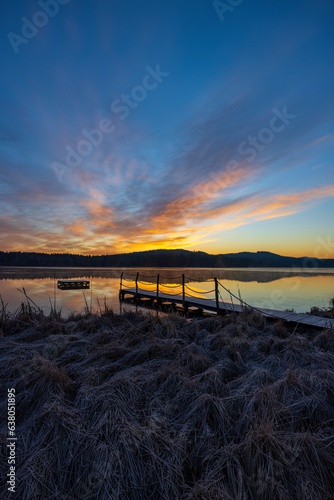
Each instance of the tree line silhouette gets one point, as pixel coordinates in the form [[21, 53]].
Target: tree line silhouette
[[161, 258]]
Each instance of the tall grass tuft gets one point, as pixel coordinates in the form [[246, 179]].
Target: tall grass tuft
[[139, 406]]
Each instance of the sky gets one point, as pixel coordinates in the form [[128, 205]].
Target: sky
[[195, 124]]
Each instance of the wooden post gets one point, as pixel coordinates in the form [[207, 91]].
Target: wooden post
[[183, 293], [120, 285], [216, 293], [137, 284], [158, 287], [55, 293], [91, 298]]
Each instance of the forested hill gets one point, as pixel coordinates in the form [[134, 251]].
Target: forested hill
[[161, 258]]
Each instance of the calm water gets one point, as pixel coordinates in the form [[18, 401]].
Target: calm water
[[271, 288]]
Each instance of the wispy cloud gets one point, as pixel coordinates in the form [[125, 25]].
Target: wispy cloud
[[130, 193]]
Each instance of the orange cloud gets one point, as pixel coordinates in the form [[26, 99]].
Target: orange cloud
[[196, 201], [197, 215], [321, 139], [278, 205], [190, 219]]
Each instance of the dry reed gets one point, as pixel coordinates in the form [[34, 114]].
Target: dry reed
[[139, 406]]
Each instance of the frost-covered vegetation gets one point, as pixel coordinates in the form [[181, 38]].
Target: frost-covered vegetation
[[140, 406]]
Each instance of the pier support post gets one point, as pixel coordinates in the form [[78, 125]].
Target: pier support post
[[216, 294], [137, 285], [120, 286], [183, 293], [158, 278]]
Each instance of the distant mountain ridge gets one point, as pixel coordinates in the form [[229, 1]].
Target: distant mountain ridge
[[162, 258]]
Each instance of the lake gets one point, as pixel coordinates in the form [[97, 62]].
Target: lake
[[261, 287]]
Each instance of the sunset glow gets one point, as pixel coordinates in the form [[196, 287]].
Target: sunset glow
[[136, 126]]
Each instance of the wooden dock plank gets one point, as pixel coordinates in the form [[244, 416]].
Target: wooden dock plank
[[210, 305]]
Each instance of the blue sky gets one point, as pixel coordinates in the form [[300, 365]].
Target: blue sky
[[172, 171]]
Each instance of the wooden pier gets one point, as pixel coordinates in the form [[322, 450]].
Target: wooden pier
[[187, 301], [73, 284]]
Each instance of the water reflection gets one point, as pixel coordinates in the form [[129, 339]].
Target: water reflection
[[270, 288], [259, 275]]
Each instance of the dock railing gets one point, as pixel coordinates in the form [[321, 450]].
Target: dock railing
[[160, 283], [164, 286], [176, 290]]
